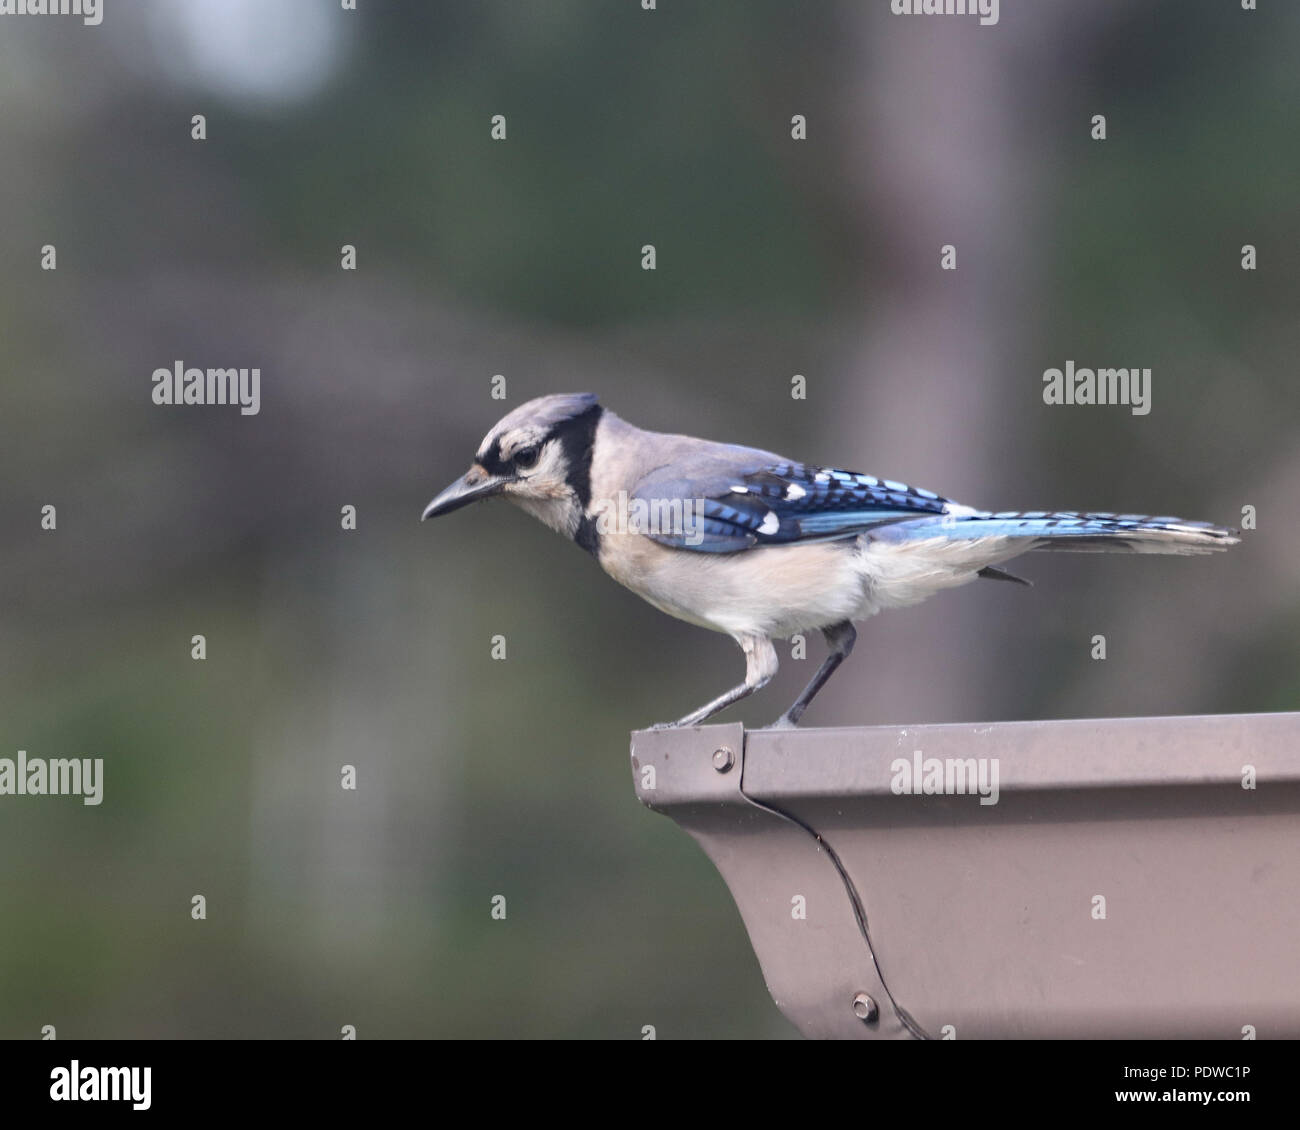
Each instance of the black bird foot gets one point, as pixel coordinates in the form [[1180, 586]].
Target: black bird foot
[[785, 722]]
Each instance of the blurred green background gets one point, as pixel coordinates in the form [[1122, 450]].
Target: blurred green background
[[373, 648]]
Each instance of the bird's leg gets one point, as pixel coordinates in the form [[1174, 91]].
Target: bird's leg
[[760, 665], [840, 639]]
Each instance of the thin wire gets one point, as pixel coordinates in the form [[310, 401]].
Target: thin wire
[[859, 911]]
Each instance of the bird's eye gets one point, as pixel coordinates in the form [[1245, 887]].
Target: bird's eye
[[527, 457]]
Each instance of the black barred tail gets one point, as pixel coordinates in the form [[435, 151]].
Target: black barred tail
[[1070, 531]]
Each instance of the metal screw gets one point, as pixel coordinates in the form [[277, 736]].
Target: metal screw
[[864, 1008], [723, 759]]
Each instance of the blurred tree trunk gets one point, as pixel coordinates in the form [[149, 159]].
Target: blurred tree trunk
[[937, 139]]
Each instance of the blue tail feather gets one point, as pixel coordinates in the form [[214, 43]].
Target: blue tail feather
[[1068, 530]]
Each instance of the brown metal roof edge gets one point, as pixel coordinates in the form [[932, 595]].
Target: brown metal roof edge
[[767, 805]]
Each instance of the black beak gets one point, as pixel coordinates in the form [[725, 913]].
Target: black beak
[[474, 484]]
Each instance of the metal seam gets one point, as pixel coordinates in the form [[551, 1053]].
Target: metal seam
[[855, 901]]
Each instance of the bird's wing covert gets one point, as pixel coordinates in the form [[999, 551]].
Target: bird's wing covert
[[728, 510]]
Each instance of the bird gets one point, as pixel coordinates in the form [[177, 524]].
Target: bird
[[761, 547]]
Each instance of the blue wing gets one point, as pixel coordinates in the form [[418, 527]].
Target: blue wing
[[733, 499], [777, 503]]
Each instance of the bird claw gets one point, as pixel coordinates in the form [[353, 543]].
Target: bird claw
[[782, 723]]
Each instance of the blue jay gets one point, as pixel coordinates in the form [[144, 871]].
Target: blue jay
[[758, 546]]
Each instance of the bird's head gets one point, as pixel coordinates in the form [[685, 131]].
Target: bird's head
[[539, 457]]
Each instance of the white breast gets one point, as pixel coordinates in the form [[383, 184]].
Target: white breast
[[774, 591]]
